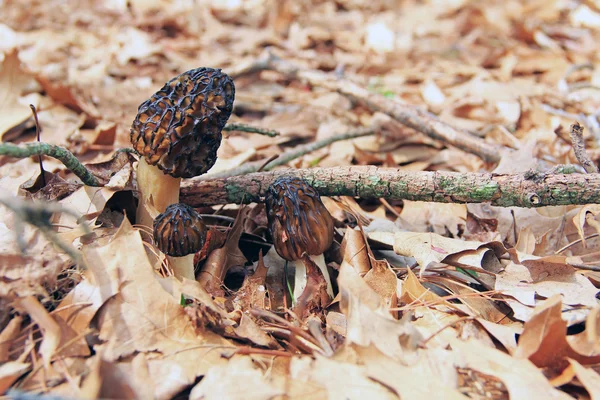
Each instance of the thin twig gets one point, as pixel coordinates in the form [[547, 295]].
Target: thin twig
[[51, 150], [585, 267], [579, 149], [567, 246], [236, 126], [407, 115], [290, 155]]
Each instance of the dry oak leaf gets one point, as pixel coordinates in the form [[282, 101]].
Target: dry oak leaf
[[430, 247], [342, 380], [144, 317], [238, 379], [522, 379], [588, 377], [13, 81], [546, 279], [432, 376], [544, 338], [369, 321]]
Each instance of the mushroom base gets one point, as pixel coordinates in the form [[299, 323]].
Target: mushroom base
[[183, 267], [300, 276], [157, 191]]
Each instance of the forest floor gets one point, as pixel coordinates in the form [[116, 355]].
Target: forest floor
[[452, 298]]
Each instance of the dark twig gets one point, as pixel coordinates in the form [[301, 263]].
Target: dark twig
[[38, 133], [369, 182], [290, 155], [579, 149], [235, 126], [51, 150]]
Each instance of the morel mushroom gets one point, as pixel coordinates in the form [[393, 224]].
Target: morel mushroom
[[179, 232], [177, 132], [299, 223]]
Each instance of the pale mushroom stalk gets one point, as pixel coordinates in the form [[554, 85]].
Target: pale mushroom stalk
[[157, 190]]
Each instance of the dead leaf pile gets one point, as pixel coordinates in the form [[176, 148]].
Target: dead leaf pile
[[432, 300]]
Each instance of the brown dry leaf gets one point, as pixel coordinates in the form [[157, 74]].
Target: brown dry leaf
[[420, 216], [544, 339], [545, 280], [89, 201], [505, 334], [432, 376], [430, 247], [414, 292], [75, 312], [354, 250], [13, 81], [522, 379], [143, 317], [588, 341], [342, 380], [220, 260], [384, 282], [588, 377], [369, 322], [238, 379], [48, 326], [10, 372], [582, 217], [9, 333]]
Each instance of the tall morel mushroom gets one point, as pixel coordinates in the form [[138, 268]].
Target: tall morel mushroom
[[299, 223], [177, 132], [179, 232]]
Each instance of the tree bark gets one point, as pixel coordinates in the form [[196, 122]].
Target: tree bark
[[530, 189]]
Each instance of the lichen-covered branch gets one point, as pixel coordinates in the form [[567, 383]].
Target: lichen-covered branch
[[50, 150], [407, 115], [529, 189], [291, 154]]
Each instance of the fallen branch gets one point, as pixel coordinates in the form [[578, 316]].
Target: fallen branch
[[530, 189], [290, 155], [237, 126], [45, 149], [408, 115]]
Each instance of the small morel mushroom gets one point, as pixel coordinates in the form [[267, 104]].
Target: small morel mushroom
[[179, 232], [177, 132], [299, 223]]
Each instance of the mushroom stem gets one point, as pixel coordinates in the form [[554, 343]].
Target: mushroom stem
[[157, 190], [301, 279], [183, 267]]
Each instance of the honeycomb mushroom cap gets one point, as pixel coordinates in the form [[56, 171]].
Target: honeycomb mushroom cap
[[179, 128], [179, 231], [298, 220]]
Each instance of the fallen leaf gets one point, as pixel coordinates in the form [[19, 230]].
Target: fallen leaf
[[13, 81], [48, 326], [238, 379], [544, 338], [522, 379], [369, 322], [589, 378]]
